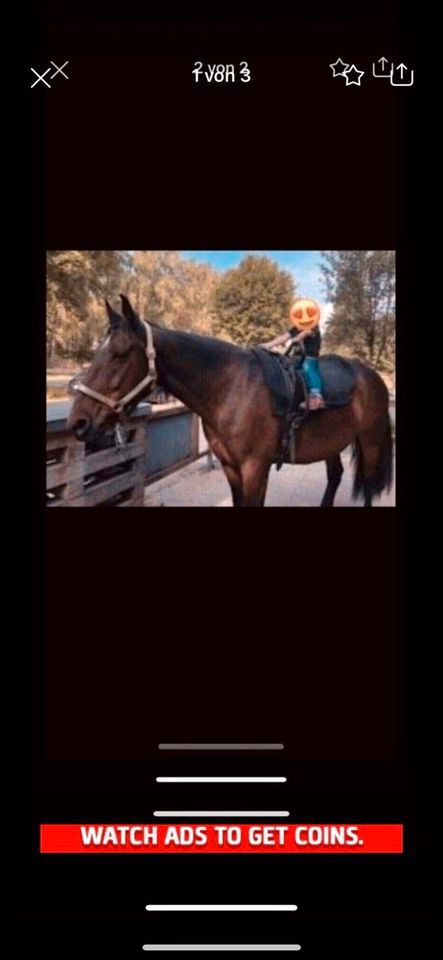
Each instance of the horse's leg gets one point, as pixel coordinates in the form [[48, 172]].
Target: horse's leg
[[254, 480], [334, 471], [232, 474], [235, 482]]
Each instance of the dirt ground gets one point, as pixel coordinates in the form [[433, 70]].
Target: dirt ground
[[199, 485]]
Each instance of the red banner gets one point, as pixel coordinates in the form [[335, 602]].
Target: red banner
[[221, 838]]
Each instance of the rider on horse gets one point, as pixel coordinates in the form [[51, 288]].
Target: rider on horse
[[305, 317]]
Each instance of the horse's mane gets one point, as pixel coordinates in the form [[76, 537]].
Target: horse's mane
[[210, 349]]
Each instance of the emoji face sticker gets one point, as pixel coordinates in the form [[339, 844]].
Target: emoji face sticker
[[305, 314]]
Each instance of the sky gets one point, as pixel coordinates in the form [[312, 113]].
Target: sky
[[303, 264]]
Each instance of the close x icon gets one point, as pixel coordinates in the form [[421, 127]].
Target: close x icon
[[57, 70]]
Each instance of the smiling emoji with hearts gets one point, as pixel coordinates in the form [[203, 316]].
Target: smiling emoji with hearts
[[305, 314]]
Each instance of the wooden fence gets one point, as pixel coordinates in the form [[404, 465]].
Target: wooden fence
[[173, 440], [161, 439], [76, 477]]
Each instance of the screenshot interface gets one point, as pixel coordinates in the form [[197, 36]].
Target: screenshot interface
[[222, 726]]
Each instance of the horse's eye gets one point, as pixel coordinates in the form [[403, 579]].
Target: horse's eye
[[121, 354]]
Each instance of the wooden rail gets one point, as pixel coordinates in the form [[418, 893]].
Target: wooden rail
[[162, 439], [76, 477]]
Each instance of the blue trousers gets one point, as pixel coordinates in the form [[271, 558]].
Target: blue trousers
[[312, 374]]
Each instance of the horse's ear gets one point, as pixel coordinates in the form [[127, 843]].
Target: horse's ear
[[113, 316], [128, 312]]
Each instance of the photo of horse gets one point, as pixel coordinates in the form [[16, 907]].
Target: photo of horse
[[201, 378]]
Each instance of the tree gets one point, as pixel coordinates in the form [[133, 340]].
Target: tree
[[77, 283], [172, 291], [164, 287], [252, 301], [361, 286]]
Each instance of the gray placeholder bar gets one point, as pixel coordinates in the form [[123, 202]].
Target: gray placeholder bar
[[221, 813], [221, 746], [221, 907], [153, 947], [221, 779]]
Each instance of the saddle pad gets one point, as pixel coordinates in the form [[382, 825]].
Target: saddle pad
[[281, 387], [279, 372], [338, 379]]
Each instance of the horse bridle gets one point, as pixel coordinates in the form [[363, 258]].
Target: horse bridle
[[118, 406]]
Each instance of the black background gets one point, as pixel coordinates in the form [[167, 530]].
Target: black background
[[296, 625]]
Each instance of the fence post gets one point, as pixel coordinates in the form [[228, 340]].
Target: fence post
[[74, 452], [140, 436], [77, 477]]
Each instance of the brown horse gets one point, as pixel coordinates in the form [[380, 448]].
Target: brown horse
[[224, 385]]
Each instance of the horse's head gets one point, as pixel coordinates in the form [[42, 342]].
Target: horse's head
[[118, 368]]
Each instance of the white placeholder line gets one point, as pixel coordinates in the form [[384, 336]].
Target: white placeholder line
[[271, 947], [221, 907], [221, 746], [221, 779], [221, 813]]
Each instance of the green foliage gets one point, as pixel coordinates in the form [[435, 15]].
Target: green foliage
[[361, 286], [252, 301], [172, 291], [163, 287], [77, 281]]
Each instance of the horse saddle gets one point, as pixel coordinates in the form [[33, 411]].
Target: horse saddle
[[287, 390]]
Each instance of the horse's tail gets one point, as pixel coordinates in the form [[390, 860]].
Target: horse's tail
[[381, 478]]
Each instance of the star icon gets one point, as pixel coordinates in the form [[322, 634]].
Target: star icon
[[341, 68], [356, 74]]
